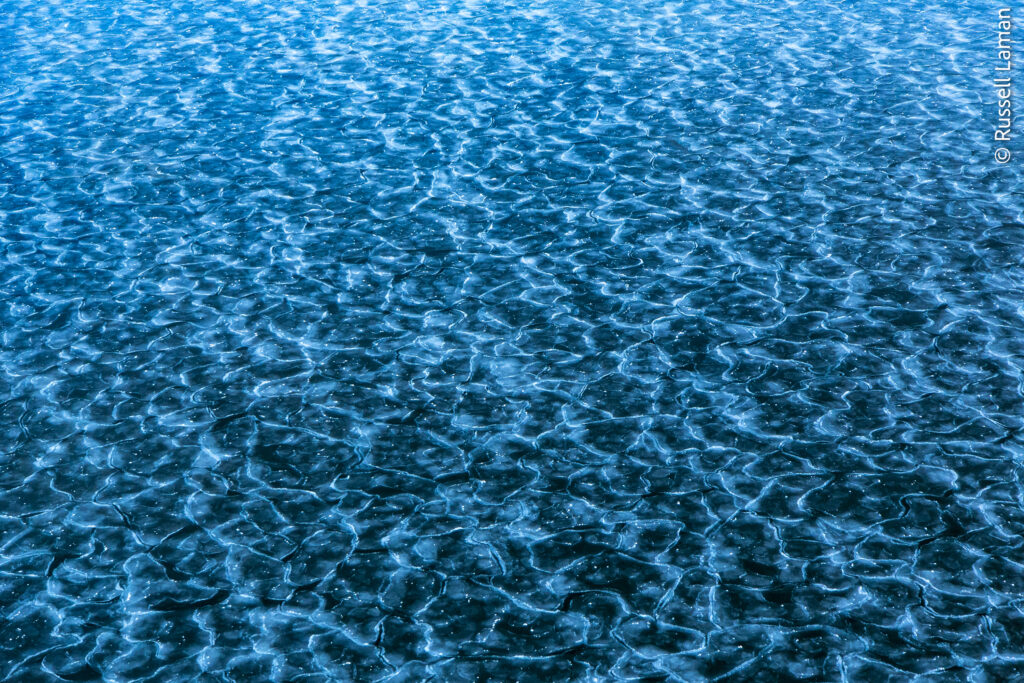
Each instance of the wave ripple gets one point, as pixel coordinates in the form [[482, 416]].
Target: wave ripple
[[478, 341]]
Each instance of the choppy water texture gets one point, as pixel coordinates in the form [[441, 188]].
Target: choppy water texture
[[530, 342]]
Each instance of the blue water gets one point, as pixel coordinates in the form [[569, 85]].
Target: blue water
[[519, 342]]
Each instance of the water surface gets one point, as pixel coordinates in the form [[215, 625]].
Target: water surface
[[483, 341]]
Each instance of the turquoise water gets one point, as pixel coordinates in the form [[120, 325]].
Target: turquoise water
[[481, 341]]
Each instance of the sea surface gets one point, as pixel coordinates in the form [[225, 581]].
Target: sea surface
[[516, 342]]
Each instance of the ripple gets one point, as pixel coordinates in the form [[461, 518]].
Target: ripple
[[469, 341]]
